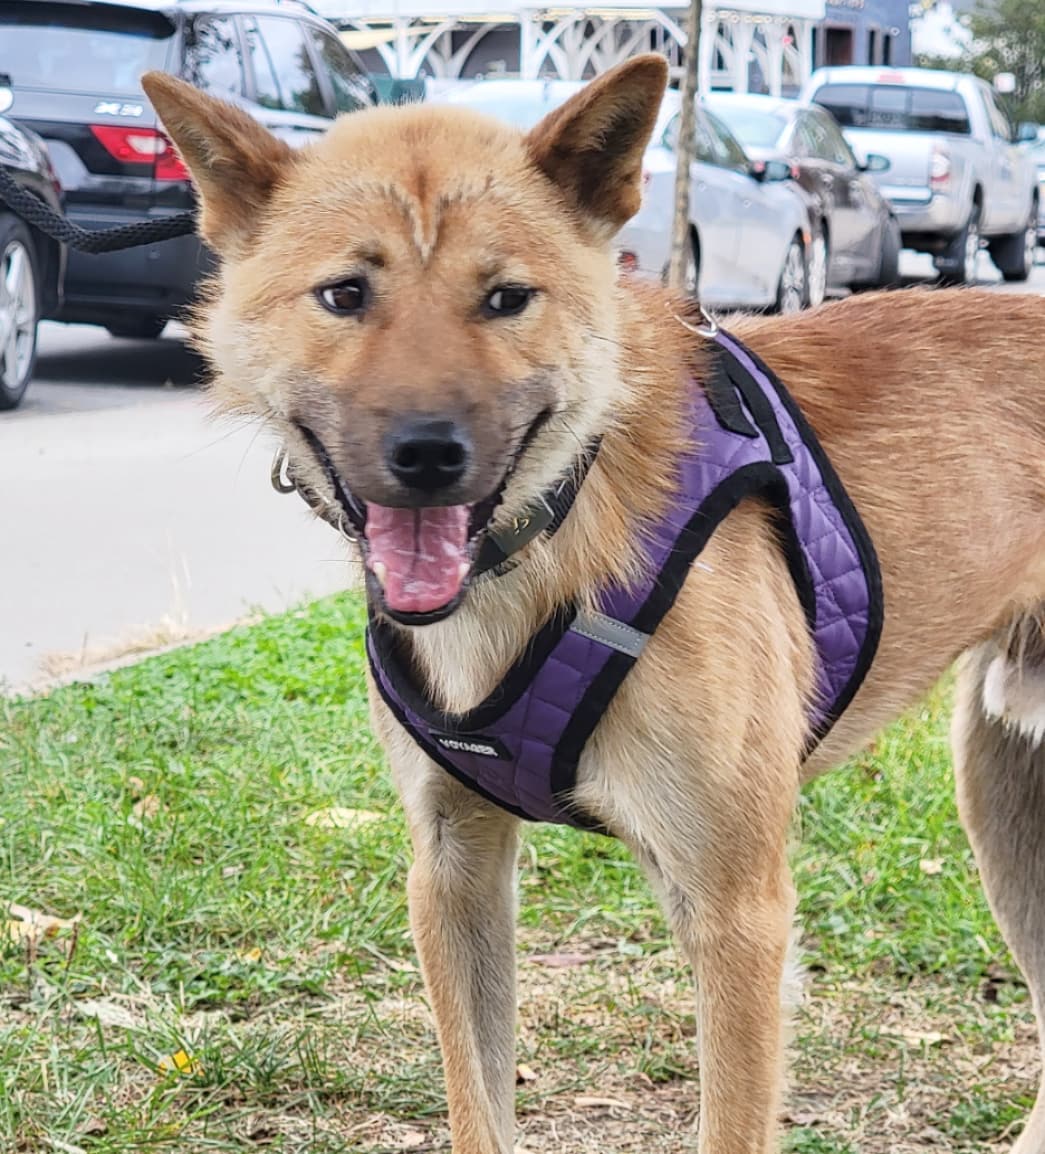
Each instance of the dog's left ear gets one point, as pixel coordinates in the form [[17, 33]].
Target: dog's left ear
[[592, 146]]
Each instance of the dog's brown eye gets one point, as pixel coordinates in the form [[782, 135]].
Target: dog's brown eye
[[346, 298], [507, 300]]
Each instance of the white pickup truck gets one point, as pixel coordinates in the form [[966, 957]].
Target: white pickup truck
[[957, 175]]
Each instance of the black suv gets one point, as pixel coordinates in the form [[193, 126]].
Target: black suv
[[75, 70]]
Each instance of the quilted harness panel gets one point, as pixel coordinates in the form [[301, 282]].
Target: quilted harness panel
[[520, 748]]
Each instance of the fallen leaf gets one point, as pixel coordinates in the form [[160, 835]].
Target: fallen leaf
[[93, 1128], [147, 806], [252, 956], [559, 961], [584, 1101], [136, 786], [524, 1073], [923, 1037], [30, 926], [339, 817], [931, 865], [178, 1063], [411, 1139], [108, 1013]]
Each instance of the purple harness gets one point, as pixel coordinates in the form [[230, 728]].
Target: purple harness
[[520, 747]]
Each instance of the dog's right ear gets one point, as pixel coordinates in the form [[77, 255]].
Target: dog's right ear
[[234, 162], [592, 147]]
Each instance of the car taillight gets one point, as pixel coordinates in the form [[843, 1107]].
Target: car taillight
[[143, 146], [939, 167]]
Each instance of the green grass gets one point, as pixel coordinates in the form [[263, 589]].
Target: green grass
[[168, 804]]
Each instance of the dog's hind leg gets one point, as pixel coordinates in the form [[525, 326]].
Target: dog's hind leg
[[999, 752], [462, 910]]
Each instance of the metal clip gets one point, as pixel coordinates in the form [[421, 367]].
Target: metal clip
[[709, 329], [280, 473]]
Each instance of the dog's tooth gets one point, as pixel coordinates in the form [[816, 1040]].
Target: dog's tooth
[[380, 571], [463, 570]]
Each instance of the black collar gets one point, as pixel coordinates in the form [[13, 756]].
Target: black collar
[[498, 546]]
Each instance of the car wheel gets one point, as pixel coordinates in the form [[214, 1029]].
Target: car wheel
[[889, 264], [963, 253], [1014, 254], [146, 328], [19, 310], [819, 259], [792, 288]]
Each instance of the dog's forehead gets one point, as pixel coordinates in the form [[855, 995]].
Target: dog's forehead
[[410, 172]]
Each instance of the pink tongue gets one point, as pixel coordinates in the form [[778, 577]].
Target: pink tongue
[[424, 553]]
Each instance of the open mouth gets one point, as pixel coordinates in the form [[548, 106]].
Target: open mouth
[[419, 559]]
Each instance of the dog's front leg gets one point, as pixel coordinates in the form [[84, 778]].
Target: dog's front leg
[[727, 891], [462, 910]]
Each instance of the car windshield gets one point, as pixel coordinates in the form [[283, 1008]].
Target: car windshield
[[520, 109], [895, 108], [753, 127], [94, 48]]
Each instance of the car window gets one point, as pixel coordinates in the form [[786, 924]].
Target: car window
[[213, 58], [97, 49], [725, 144], [350, 85], [1000, 124], [753, 127], [895, 107], [832, 142], [284, 77]]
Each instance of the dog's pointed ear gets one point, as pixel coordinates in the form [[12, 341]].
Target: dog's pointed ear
[[592, 146], [235, 163]]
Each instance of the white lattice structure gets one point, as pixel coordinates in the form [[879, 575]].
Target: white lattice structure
[[768, 43]]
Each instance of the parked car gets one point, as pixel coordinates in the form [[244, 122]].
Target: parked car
[[856, 237], [957, 174], [749, 226], [31, 264], [1037, 151], [75, 68]]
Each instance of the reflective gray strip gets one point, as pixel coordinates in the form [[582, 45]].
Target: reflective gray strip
[[615, 634]]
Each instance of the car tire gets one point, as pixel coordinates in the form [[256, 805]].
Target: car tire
[[889, 262], [818, 264], [792, 293], [1013, 255], [145, 328], [962, 254], [19, 310]]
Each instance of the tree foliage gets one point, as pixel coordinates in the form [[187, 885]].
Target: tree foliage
[[1008, 36]]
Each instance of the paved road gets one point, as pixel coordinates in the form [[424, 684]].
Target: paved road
[[128, 507], [132, 515]]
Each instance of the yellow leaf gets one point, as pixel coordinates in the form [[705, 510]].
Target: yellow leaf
[[179, 1063], [339, 817], [253, 955], [931, 865], [26, 925]]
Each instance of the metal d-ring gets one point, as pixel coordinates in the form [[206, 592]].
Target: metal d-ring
[[280, 473], [709, 329]]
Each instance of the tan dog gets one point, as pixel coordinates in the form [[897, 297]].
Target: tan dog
[[431, 261]]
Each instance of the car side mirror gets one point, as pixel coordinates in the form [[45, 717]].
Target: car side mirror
[[766, 171], [1026, 130], [875, 162]]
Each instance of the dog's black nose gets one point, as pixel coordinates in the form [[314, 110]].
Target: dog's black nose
[[428, 453]]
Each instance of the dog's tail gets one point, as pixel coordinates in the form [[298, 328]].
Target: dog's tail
[[1013, 673]]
